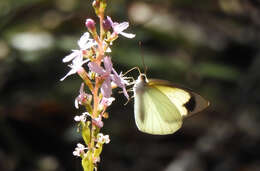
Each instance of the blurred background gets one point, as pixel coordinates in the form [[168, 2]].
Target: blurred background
[[211, 47]]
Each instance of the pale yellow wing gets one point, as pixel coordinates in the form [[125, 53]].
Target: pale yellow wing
[[155, 113]]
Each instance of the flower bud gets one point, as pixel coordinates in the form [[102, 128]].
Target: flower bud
[[105, 115], [90, 24], [96, 6], [103, 5], [107, 24]]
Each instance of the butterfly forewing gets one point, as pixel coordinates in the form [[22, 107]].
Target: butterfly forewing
[[177, 96], [185, 100], [155, 113]]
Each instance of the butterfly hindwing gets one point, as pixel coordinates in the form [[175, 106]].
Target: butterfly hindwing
[[155, 113]]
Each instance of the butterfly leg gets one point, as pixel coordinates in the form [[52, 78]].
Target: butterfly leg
[[129, 100], [128, 90], [131, 80]]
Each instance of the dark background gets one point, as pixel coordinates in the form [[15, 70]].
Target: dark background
[[210, 46]]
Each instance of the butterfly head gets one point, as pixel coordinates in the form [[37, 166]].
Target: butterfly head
[[142, 78], [140, 83]]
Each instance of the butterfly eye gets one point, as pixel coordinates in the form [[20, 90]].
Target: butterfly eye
[[143, 77]]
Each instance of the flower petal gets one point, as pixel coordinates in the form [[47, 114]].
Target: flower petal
[[71, 72], [128, 35], [75, 66], [106, 89], [74, 54], [120, 82], [96, 68], [118, 28], [76, 103], [83, 40], [110, 20], [117, 79], [81, 90], [108, 64], [107, 101], [108, 50]]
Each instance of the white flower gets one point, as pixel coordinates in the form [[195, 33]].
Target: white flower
[[73, 55], [75, 66], [81, 118], [103, 138], [79, 150], [84, 43]]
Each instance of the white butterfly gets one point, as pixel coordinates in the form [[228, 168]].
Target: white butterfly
[[160, 106]]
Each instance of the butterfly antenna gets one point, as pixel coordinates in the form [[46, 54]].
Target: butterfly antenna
[[137, 68], [142, 56]]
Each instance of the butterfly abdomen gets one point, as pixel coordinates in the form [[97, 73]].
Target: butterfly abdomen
[[139, 89]]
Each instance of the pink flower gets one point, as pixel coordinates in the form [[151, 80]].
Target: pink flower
[[98, 121], [118, 28], [82, 97], [106, 73], [120, 81], [106, 86], [107, 101], [107, 24]]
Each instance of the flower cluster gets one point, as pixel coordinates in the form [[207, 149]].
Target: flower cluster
[[92, 62], [85, 55]]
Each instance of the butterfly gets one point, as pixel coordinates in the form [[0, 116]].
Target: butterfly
[[160, 107]]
